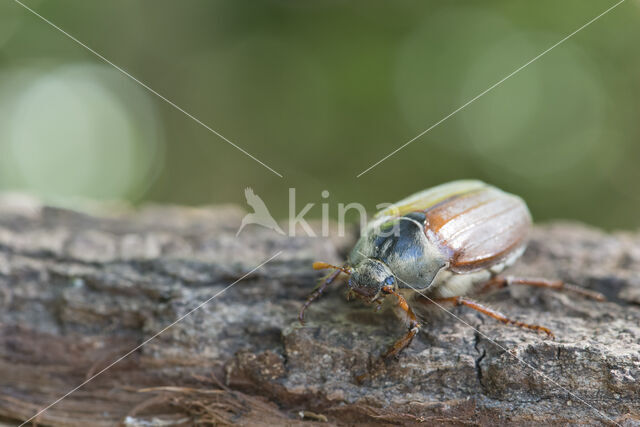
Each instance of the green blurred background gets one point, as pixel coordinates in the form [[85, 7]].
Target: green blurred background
[[319, 91]]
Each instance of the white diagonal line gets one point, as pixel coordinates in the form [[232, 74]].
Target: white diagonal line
[[508, 76], [174, 105], [533, 368], [146, 341]]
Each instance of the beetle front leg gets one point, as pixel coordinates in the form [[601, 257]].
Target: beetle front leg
[[403, 342], [316, 294], [414, 326], [498, 282]]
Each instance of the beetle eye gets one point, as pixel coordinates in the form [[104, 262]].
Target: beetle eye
[[389, 280]]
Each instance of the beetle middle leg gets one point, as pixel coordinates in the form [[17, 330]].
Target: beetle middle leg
[[493, 313], [498, 282]]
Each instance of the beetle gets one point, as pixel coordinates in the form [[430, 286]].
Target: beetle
[[439, 245]]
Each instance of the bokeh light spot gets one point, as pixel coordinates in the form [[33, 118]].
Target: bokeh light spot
[[543, 121], [78, 132]]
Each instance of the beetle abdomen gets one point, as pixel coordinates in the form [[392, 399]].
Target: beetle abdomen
[[481, 227]]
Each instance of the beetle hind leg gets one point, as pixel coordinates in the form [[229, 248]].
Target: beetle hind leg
[[498, 282], [494, 314]]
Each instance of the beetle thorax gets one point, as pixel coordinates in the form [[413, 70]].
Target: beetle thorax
[[369, 276]]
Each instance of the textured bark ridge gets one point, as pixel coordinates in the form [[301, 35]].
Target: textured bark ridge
[[79, 291]]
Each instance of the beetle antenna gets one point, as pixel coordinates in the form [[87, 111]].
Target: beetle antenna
[[324, 265]]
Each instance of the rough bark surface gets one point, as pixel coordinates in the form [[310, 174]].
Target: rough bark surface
[[78, 291]]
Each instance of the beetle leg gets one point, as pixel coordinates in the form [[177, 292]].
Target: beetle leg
[[316, 294], [414, 327], [378, 306], [498, 282], [493, 313], [403, 342]]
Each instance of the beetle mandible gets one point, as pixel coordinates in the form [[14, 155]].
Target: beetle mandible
[[441, 244]]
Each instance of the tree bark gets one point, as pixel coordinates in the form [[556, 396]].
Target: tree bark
[[79, 291]]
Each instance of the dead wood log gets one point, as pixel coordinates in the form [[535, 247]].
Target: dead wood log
[[78, 291]]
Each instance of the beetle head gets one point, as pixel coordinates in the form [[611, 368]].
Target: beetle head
[[369, 277]]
